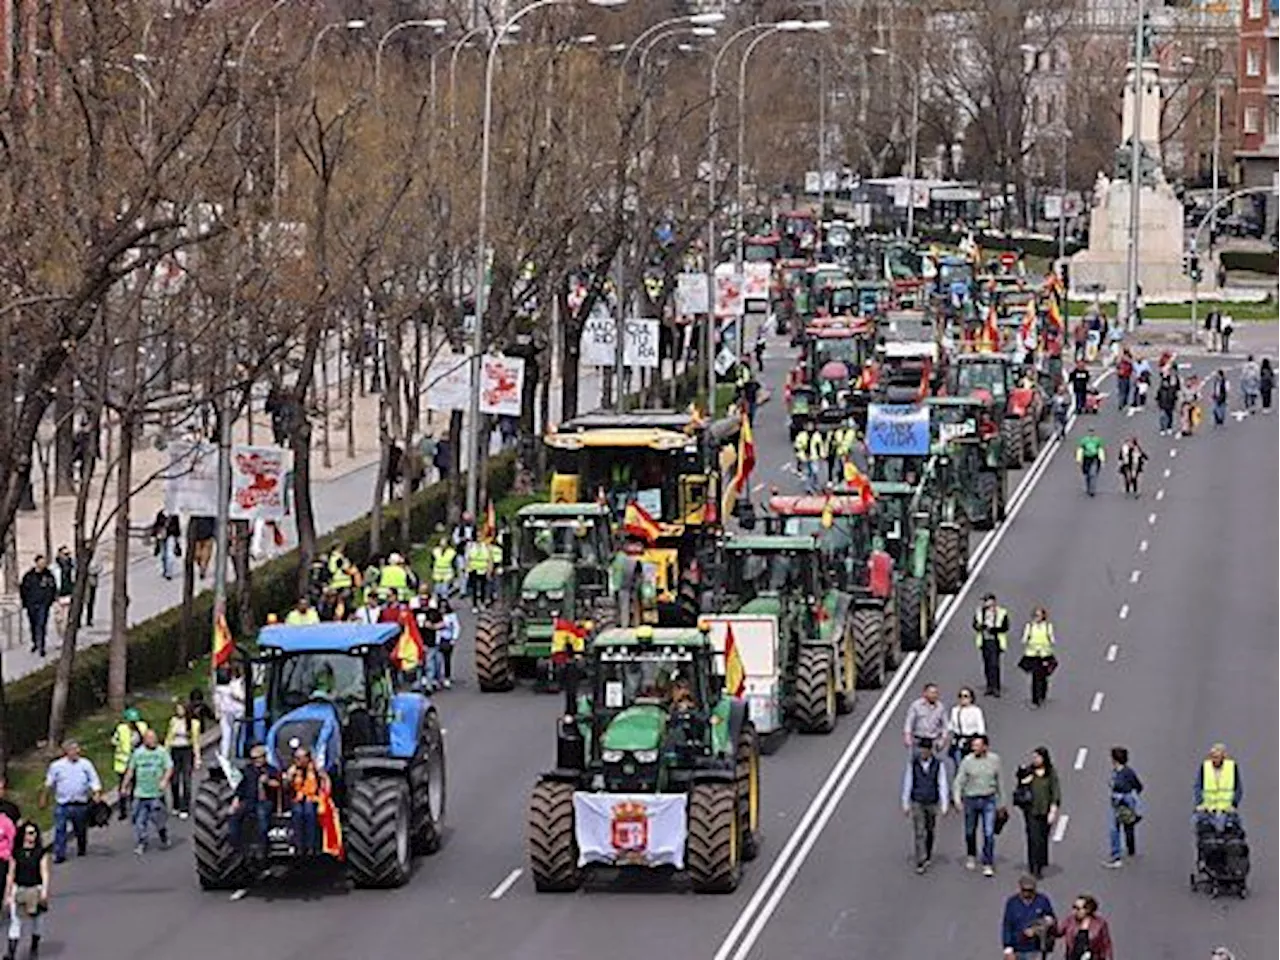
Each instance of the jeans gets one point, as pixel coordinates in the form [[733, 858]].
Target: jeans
[[147, 811], [227, 734], [1037, 843], [76, 816], [306, 826], [1220, 412], [1089, 466], [168, 556], [1122, 392], [435, 666], [183, 759], [924, 818], [478, 584], [991, 664], [981, 809], [1080, 395], [811, 482], [1166, 419], [260, 811], [38, 618], [1130, 838]]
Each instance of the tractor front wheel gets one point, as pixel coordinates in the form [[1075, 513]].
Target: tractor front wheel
[[494, 672], [379, 822], [951, 557], [747, 778], [815, 691], [219, 864], [1030, 439], [1011, 440], [869, 646], [712, 854], [988, 496], [553, 849], [915, 614]]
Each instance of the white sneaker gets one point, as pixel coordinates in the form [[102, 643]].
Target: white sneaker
[[1115, 864], [448, 684], [970, 863], [988, 871]]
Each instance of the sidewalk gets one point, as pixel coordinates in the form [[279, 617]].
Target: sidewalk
[[340, 494]]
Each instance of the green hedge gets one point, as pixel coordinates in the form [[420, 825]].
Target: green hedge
[[1254, 261], [153, 652]]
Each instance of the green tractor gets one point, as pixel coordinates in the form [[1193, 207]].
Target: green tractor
[[559, 569], [973, 475], [907, 521], [657, 765], [791, 626], [843, 525]]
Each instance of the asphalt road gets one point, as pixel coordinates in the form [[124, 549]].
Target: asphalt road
[[1195, 662]]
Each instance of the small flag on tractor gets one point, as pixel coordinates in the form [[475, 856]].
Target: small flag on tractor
[[223, 644], [330, 825], [490, 530], [410, 651], [567, 639], [637, 522], [1027, 329], [746, 463], [735, 674], [989, 340]]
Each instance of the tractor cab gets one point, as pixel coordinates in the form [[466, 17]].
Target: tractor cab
[[763, 248], [1018, 404], [839, 239], [760, 569], [837, 298], [799, 234], [840, 525], [955, 278]]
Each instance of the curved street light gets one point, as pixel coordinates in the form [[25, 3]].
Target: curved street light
[[437, 24], [352, 25]]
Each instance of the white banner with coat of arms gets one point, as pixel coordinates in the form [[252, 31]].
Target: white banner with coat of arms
[[630, 829]]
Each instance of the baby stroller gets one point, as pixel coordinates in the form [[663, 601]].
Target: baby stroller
[[1222, 857], [1092, 401]]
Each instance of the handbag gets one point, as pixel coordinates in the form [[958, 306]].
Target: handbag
[[1002, 817], [1022, 796], [1050, 665], [1125, 814]]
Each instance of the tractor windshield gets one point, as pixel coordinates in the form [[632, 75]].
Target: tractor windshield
[[981, 376], [569, 538], [628, 677], [848, 350], [838, 300], [336, 677], [760, 252], [955, 272], [749, 574]]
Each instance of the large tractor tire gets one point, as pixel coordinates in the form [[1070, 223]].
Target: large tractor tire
[[915, 612], [1011, 440], [747, 777], [429, 786], [869, 646], [990, 497], [951, 557], [713, 856], [553, 849], [219, 864], [1030, 439], [847, 691], [816, 701], [377, 832], [494, 670]]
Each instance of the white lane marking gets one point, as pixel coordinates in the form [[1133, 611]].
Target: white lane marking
[[1151, 519], [1081, 755], [1131, 411], [1135, 576], [1060, 828], [506, 884], [1167, 473], [1142, 547], [1097, 702], [1160, 494], [757, 912], [1124, 612], [1173, 452], [238, 895], [1111, 653], [1240, 415], [758, 487]]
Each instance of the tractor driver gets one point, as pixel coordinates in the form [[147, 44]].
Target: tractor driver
[[325, 682], [682, 696], [584, 550]]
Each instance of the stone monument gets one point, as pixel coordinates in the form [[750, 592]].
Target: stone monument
[[1160, 240]]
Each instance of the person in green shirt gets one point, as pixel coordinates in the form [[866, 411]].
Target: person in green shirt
[[146, 779], [1090, 454]]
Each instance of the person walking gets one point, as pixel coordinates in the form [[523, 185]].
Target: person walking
[[1219, 394], [1250, 378], [38, 592], [1039, 657], [991, 634], [126, 738], [1266, 383], [26, 889], [74, 783], [1219, 789], [1124, 378], [1228, 328], [444, 557], [65, 568], [202, 530], [1028, 921], [228, 701], [463, 535], [1142, 381], [800, 445], [1038, 795], [182, 740], [1085, 934], [965, 722], [1132, 461], [302, 614], [147, 781], [1061, 410], [1167, 402], [1079, 379], [924, 796], [1125, 807], [977, 790], [167, 531], [926, 719], [819, 448], [479, 570], [447, 635], [1091, 454]]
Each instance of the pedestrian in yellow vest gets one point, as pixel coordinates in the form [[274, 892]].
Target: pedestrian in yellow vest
[[845, 437], [443, 556], [302, 614], [125, 739], [819, 452], [1038, 655], [397, 576], [1219, 788], [479, 567]]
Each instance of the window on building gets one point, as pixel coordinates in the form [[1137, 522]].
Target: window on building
[[1255, 9], [1251, 120], [1252, 63]]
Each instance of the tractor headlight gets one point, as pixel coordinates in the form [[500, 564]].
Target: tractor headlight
[[612, 756], [555, 595], [646, 756]]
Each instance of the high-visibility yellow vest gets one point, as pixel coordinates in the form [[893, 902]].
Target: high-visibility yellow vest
[[337, 562], [1037, 640], [394, 577], [478, 559], [124, 743], [442, 558], [802, 446], [340, 579], [1002, 616], [845, 437], [817, 446], [1219, 794]]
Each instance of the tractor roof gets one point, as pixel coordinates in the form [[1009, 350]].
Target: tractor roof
[[650, 637], [985, 357], [844, 330], [651, 438], [606, 419], [815, 505], [569, 510], [326, 637], [956, 402], [769, 543]]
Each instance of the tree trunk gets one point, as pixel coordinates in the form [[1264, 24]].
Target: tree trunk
[[380, 484], [455, 463], [241, 532], [183, 640], [300, 440], [64, 417], [117, 646], [571, 329]]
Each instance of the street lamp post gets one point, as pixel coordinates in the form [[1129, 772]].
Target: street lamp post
[[477, 339], [1135, 174], [315, 44], [437, 24], [914, 143]]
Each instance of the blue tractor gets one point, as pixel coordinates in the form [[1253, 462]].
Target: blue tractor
[[335, 689]]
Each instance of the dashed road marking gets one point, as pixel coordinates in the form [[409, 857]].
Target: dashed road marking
[[1151, 519], [1160, 494], [1173, 451], [1124, 612], [239, 894], [1060, 828], [1112, 651], [506, 884], [1135, 576], [1239, 415], [1167, 473], [1142, 547], [758, 487], [1081, 755], [1097, 702]]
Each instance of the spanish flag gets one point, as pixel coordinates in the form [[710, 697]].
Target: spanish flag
[[567, 639], [858, 481], [989, 339], [735, 674], [1055, 314], [330, 826], [637, 522], [746, 462], [223, 644], [1028, 327], [410, 650], [489, 532]]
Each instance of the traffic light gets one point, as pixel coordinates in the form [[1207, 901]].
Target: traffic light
[[1191, 265]]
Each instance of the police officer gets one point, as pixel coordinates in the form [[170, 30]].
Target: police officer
[[991, 635]]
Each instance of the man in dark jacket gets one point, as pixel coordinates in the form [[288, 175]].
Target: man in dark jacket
[[1079, 384], [252, 798], [1167, 401], [38, 590], [1028, 917]]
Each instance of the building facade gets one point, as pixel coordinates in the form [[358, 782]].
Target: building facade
[[1258, 102]]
